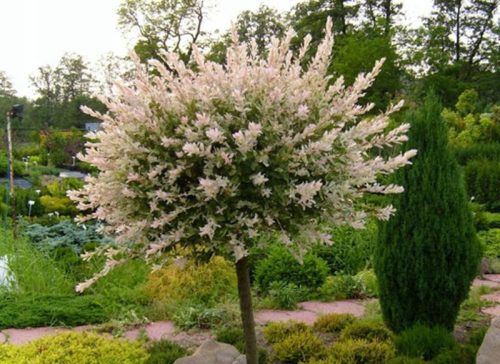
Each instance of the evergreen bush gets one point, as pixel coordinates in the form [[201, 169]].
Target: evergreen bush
[[427, 254], [281, 266], [424, 342]]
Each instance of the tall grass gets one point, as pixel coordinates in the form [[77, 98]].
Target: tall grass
[[34, 271]]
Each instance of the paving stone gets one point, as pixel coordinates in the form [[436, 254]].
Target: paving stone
[[353, 307], [492, 277], [493, 311], [154, 331], [22, 336], [484, 282], [494, 297]]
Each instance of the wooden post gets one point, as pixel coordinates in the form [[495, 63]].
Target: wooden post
[[12, 194]]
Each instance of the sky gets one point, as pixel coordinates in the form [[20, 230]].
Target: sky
[[34, 33]]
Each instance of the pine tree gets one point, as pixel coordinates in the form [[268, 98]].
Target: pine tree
[[428, 253]]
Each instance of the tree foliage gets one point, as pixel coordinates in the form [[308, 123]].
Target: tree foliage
[[163, 25], [428, 253]]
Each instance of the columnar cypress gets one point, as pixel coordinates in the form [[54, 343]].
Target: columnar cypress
[[428, 253]]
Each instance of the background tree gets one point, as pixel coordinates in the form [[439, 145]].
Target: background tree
[[226, 154], [259, 26], [168, 25], [428, 253], [456, 48], [6, 88], [62, 90], [381, 14]]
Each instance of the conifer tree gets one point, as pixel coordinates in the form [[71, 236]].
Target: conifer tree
[[428, 253]]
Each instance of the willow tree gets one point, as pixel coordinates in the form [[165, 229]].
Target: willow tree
[[220, 154]]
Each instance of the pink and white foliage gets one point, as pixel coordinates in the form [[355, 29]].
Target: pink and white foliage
[[219, 154]]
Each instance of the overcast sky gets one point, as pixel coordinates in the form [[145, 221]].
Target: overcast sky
[[38, 32]]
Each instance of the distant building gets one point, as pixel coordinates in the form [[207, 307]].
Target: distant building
[[93, 126]]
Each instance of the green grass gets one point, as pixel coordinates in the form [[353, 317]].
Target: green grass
[[470, 310], [44, 293]]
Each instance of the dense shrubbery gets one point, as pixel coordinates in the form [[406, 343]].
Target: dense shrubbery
[[358, 351], [64, 234], [70, 348], [333, 323], [352, 249], [165, 352], [43, 288], [50, 310], [482, 178], [366, 330], [275, 332], [464, 154], [424, 342], [298, 347], [185, 280], [281, 266]]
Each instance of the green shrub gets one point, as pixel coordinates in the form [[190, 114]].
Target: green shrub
[[476, 337], [195, 315], [231, 335], [361, 351], [492, 219], [340, 287], [490, 241], [481, 179], [298, 347], [50, 310], [352, 250], [424, 342], [82, 348], [285, 296], [333, 322], [367, 330], [123, 290], [281, 266], [461, 354], [275, 332], [368, 282], [431, 234], [165, 352], [186, 280], [476, 151]]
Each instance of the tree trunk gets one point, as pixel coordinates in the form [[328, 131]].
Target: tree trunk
[[245, 294]]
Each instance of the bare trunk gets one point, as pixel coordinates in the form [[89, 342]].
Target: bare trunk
[[245, 294]]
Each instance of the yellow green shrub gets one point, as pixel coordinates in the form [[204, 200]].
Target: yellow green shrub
[[275, 332], [298, 347], [366, 329], [8, 353], [187, 280], [72, 347], [62, 205], [333, 322], [360, 351]]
